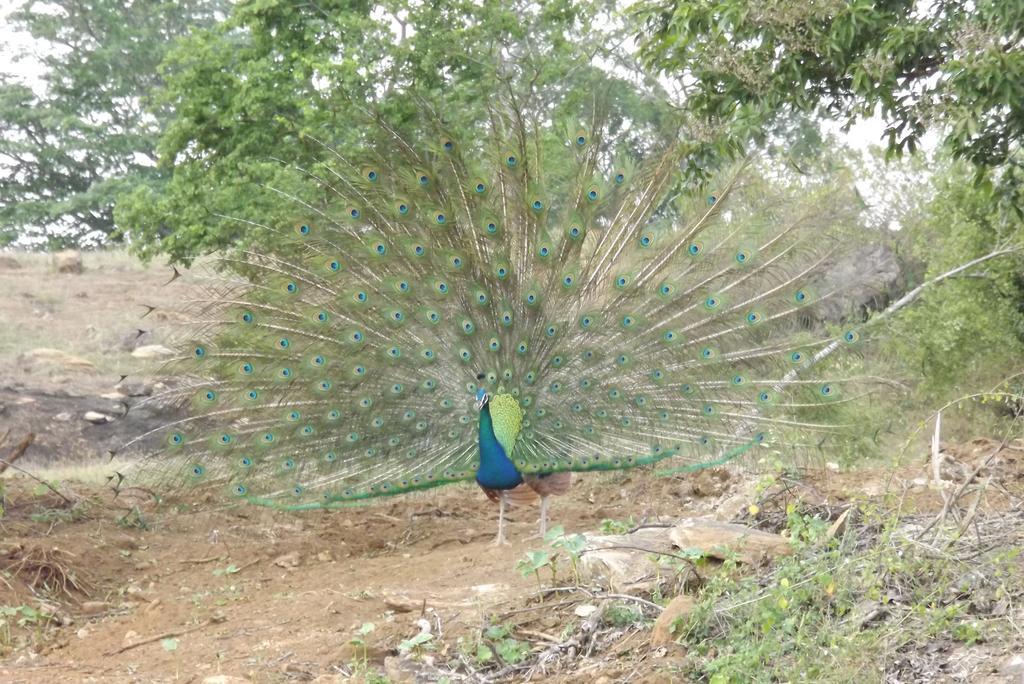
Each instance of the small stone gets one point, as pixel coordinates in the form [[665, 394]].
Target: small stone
[[584, 610], [82, 633], [679, 607], [152, 606], [226, 679], [135, 388], [114, 396], [400, 670], [151, 351], [288, 560], [97, 418], [1013, 667], [324, 557], [711, 482], [95, 607], [402, 604], [130, 637], [64, 416]]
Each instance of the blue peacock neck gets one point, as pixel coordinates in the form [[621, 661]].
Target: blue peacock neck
[[496, 470]]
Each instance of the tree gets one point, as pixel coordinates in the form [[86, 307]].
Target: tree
[[67, 152], [263, 93], [968, 331], [952, 65]]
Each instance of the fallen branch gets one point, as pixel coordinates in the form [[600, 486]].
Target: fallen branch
[[165, 635], [4, 464]]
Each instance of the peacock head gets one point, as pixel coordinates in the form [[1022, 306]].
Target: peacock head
[[481, 399]]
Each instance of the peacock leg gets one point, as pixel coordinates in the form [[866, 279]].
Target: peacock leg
[[500, 539]]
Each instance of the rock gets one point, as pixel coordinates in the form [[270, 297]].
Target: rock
[[402, 604], [325, 557], [288, 560], [134, 339], [662, 634], [97, 418], [114, 396], [733, 506], [721, 540], [63, 416], [226, 679], [710, 482], [130, 637], [401, 670], [135, 388], [82, 633], [860, 281], [9, 263], [95, 607], [584, 610], [1013, 667], [152, 351], [67, 261], [624, 563]]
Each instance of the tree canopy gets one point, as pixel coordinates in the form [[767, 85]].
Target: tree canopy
[[69, 152], [953, 65], [277, 82]]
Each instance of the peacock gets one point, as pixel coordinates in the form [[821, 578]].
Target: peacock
[[537, 297]]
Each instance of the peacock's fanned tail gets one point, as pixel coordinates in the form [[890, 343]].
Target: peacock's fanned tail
[[340, 358]]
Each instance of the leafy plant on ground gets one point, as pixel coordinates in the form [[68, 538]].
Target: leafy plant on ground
[[417, 644], [571, 545], [609, 526], [23, 616], [496, 644], [840, 609], [622, 615]]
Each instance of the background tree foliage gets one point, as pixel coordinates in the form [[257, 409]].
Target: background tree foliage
[[69, 152], [278, 81], [954, 65], [968, 332]]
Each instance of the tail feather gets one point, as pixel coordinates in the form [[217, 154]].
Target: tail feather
[[338, 358]]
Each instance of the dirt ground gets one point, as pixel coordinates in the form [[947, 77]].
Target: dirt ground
[[129, 590]]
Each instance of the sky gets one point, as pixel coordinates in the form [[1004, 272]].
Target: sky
[[13, 43]]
